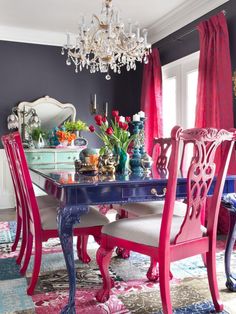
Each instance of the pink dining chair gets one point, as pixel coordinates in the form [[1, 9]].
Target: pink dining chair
[[21, 229], [41, 222], [161, 157], [166, 237]]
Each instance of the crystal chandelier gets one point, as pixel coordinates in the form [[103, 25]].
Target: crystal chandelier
[[105, 45]]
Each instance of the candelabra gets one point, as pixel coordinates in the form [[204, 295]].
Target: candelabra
[[135, 161], [33, 122]]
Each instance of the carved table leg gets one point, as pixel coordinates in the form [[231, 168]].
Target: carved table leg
[[231, 278], [67, 216]]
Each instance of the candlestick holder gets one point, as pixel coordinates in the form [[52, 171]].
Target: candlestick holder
[[135, 161], [142, 137], [146, 160], [94, 105]]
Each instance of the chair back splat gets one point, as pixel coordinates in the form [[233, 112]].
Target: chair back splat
[[161, 152], [199, 179]]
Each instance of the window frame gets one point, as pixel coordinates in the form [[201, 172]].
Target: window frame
[[180, 69]]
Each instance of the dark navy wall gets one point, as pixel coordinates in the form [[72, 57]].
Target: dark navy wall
[[29, 71]]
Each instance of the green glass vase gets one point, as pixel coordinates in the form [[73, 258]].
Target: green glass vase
[[123, 163]]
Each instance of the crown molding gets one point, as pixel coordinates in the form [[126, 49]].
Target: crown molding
[[32, 36], [181, 16], [189, 11]]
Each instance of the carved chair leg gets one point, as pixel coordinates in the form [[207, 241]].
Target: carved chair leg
[[82, 242], [122, 253], [212, 279], [231, 238], [153, 271], [164, 279], [97, 239], [204, 259], [36, 268], [103, 259]]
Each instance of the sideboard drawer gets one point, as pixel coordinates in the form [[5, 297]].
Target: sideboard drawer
[[154, 191], [67, 156], [39, 158]]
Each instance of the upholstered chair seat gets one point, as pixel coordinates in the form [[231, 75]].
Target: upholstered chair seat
[[143, 230], [91, 219]]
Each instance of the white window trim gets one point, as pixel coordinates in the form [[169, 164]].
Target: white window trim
[[177, 69]]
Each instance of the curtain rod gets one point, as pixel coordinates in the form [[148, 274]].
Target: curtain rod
[[178, 38]]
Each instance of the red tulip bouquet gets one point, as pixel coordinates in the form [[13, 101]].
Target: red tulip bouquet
[[115, 136]]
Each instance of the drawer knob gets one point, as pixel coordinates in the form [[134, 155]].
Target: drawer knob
[[69, 157], [39, 157], [154, 192]]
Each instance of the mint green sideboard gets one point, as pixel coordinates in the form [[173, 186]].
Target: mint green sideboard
[[46, 158]]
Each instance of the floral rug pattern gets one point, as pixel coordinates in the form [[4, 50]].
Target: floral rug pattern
[[132, 292]]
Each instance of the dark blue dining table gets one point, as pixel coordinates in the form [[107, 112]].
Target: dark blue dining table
[[75, 192]]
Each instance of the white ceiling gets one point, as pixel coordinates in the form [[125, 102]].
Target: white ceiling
[[46, 21]]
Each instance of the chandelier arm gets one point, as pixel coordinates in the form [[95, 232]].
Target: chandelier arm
[[95, 16]]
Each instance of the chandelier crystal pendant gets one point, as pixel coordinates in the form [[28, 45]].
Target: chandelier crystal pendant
[[105, 45]]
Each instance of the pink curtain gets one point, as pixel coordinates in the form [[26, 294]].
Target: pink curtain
[[214, 94], [151, 99]]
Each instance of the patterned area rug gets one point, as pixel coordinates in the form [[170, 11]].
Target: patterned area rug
[[7, 232], [132, 293]]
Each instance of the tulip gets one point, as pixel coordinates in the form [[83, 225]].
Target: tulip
[[117, 119], [115, 113], [109, 131], [91, 128], [125, 126], [128, 119], [121, 125], [98, 119]]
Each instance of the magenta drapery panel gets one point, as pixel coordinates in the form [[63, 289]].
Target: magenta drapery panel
[[151, 99], [214, 94], [214, 97]]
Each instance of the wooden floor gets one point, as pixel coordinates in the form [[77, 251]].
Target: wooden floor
[[8, 214]]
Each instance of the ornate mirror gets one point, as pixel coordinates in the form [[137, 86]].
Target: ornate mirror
[[45, 112], [50, 111]]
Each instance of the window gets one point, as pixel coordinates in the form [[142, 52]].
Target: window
[[179, 93]]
